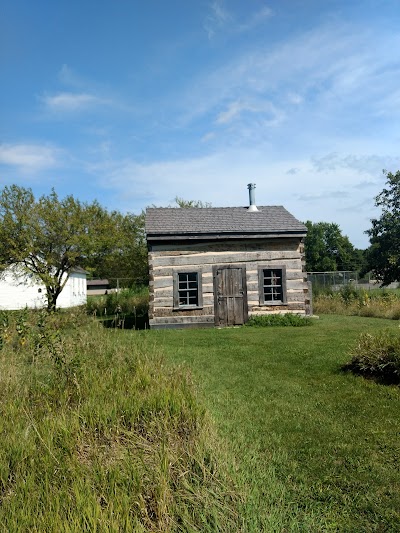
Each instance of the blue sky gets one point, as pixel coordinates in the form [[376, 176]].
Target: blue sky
[[136, 102]]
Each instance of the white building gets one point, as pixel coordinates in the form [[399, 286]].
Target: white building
[[18, 291]]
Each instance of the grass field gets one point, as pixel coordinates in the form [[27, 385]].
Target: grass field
[[105, 430], [313, 448]]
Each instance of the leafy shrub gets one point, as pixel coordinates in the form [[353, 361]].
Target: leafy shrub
[[377, 356], [288, 319], [349, 293]]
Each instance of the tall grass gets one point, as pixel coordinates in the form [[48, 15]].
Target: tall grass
[[127, 308], [126, 301], [102, 436], [379, 303]]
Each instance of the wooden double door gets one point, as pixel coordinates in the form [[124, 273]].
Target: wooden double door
[[230, 295]]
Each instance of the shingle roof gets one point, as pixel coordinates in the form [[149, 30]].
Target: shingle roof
[[97, 282], [162, 223]]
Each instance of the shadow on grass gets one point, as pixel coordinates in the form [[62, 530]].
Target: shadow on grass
[[383, 378], [121, 321]]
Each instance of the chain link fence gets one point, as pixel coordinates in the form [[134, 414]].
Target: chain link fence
[[337, 279]]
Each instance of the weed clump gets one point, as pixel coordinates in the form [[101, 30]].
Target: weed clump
[[349, 300], [377, 356], [288, 319]]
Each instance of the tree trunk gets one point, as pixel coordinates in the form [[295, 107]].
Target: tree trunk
[[52, 295]]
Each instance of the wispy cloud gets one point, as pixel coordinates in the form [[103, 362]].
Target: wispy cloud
[[307, 193], [256, 18], [217, 18], [295, 99], [220, 19], [29, 158], [208, 137], [237, 108], [357, 206], [293, 171], [330, 70], [65, 102], [325, 195], [365, 184], [234, 109], [67, 76], [366, 164]]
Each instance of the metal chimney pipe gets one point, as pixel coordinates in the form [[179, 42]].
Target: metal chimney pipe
[[252, 197]]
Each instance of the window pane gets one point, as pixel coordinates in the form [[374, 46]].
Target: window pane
[[272, 285], [188, 288]]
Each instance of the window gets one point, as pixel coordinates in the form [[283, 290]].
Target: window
[[272, 285], [187, 289]]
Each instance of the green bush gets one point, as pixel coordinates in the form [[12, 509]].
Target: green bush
[[349, 293], [377, 356], [288, 319]]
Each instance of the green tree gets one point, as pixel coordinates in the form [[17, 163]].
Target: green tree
[[180, 202], [383, 256], [125, 257], [49, 237], [326, 249]]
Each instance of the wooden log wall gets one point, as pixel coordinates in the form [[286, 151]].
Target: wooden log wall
[[165, 259]]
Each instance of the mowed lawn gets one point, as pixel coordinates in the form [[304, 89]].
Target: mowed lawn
[[312, 448]]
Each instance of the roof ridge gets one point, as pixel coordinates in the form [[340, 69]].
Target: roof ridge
[[271, 220]]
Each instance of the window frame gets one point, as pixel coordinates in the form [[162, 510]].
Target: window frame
[[177, 305], [282, 269]]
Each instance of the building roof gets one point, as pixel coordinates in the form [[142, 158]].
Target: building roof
[[97, 282], [220, 222], [79, 270]]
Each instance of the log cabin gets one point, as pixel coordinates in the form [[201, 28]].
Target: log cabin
[[218, 266]]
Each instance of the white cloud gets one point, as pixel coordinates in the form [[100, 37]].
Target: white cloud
[[220, 19], [331, 70], [208, 137], [292, 170], [295, 99], [222, 177], [217, 18], [234, 109], [69, 102], [263, 109], [364, 164], [256, 18], [29, 158], [325, 195], [68, 77], [219, 12]]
